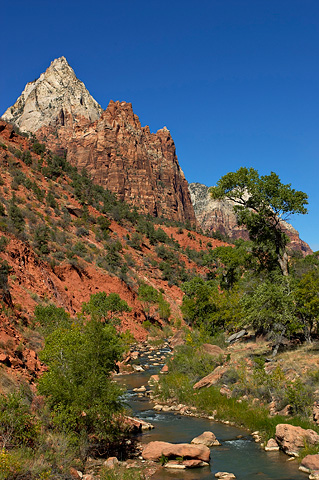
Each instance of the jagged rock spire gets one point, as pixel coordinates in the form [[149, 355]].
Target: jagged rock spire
[[57, 97]]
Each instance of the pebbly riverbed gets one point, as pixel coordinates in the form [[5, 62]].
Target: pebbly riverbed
[[238, 452]]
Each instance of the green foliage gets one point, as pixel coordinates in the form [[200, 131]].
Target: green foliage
[[230, 263], [16, 216], [38, 148], [307, 300], [164, 309], [26, 157], [41, 239], [260, 203], [195, 364], [17, 424], [50, 317], [51, 202], [103, 307], [104, 224], [148, 295], [77, 385], [269, 306]]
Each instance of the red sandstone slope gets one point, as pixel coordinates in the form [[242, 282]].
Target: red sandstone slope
[[61, 276]]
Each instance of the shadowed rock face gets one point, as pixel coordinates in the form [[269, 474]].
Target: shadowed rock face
[[213, 215]]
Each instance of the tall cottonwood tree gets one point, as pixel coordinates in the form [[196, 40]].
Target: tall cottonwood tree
[[262, 203]]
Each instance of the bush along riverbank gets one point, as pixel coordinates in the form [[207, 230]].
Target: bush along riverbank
[[237, 384]]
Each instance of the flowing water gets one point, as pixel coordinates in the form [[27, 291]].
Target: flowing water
[[238, 453]]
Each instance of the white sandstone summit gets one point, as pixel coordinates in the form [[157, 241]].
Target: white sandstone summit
[[56, 98]]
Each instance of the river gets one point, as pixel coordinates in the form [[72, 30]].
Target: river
[[238, 453]]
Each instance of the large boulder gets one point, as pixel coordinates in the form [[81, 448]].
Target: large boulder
[[155, 450], [210, 379], [310, 463], [291, 439], [206, 438]]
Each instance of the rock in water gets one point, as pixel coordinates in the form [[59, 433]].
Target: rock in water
[[154, 451], [206, 438], [292, 439]]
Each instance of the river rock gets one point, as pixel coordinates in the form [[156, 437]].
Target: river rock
[[291, 439], [310, 463], [210, 379], [174, 465], [314, 475], [154, 451], [225, 391], [153, 379], [164, 369], [111, 462], [206, 438], [140, 389], [136, 424], [138, 368], [225, 475], [272, 445]]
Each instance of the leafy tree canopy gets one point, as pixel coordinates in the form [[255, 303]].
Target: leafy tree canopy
[[261, 203], [103, 307]]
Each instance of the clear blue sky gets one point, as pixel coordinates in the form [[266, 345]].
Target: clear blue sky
[[235, 81]]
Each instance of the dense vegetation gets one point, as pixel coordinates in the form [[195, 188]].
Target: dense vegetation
[[257, 285]]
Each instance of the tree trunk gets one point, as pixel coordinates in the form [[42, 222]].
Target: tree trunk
[[283, 263]]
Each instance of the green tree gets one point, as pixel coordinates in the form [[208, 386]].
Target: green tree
[[50, 317], [164, 309], [307, 301], [230, 262], [261, 203], [103, 307], [16, 216], [41, 239], [78, 383], [269, 307], [148, 295]]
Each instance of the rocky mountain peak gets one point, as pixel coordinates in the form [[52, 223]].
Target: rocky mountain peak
[[56, 98]]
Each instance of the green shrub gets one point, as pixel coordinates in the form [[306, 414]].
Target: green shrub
[[17, 424]]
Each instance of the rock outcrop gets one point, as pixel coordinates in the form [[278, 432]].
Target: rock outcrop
[[155, 450], [206, 438], [291, 439], [57, 98], [218, 215], [210, 379], [139, 166]]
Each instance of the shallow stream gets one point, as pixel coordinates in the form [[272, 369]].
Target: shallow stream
[[241, 456]]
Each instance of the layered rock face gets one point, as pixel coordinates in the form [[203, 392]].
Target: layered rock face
[[139, 166], [56, 98], [213, 215]]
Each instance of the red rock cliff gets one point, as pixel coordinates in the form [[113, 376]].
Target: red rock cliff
[[139, 166]]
